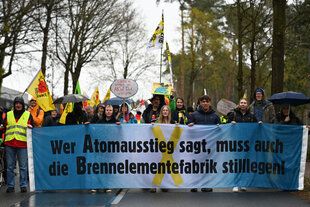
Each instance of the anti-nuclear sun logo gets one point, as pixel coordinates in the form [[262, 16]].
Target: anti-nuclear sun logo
[[42, 88]]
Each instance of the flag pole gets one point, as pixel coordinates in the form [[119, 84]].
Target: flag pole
[[161, 48], [31, 82]]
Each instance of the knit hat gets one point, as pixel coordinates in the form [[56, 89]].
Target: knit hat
[[258, 90]]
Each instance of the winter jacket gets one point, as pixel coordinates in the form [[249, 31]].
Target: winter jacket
[[104, 121], [206, 118], [37, 115], [17, 116], [294, 120], [267, 110], [238, 116], [51, 121], [151, 116], [179, 116], [74, 118]]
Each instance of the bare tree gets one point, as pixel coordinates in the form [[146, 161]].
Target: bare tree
[[126, 57], [14, 27], [44, 15], [88, 27]]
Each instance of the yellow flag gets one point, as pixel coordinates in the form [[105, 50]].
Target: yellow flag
[[67, 110], [95, 97], [244, 95], [157, 40], [39, 90], [169, 61], [107, 96]]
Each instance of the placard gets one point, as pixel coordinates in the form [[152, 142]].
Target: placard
[[124, 88]]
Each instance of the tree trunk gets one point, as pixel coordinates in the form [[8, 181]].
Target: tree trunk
[[66, 81], [252, 53], [45, 39], [183, 54], [240, 52], [278, 45]]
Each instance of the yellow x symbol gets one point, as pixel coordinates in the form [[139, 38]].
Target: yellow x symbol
[[175, 136]]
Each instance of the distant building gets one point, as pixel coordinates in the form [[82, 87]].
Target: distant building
[[7, 97]]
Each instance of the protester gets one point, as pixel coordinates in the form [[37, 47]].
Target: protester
[[89, 110], [138, 117], [180, 115], [243, 115], [164, 115], [116, 110], [109, 116], [52, 120], [132, 119], [15, 126], [190, 110], [99, 113], [204, 115], [151, 113], [125, 109], [164, 118], [286, 116], [262, 109], [2, 132], [224, 119], [77, 116], [2, 118], [36, 113]]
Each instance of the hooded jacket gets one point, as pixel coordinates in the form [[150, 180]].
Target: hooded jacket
[[37, 114], [17, 116]]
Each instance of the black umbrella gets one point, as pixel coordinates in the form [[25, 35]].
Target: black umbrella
[[290, 98], [72, 98]]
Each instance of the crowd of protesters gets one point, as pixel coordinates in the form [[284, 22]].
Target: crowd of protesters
[[15, 122]]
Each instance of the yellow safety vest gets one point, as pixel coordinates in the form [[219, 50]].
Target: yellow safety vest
[[17, 130], [223, 120]]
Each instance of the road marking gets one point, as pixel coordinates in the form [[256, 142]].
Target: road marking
[[119, 197]]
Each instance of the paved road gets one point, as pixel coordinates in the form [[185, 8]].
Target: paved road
[[136, 197], [223, 197]]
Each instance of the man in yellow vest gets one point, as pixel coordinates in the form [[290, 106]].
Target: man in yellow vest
[[15, 126]]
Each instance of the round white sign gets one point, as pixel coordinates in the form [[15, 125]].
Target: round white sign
[[124, 88]]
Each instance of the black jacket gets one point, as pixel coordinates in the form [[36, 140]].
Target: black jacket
[[148, 114], [76, 118], [51, 121], [104, 121], [206, 118], [294, 120], [179, 116], [237, 116]]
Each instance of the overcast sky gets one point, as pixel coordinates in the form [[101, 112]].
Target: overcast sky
[[150, 15]]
